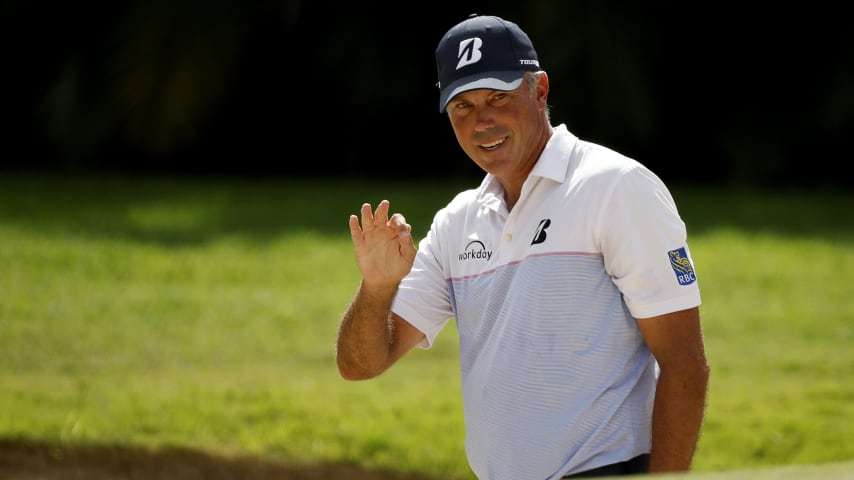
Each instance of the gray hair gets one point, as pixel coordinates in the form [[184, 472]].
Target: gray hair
[[532, 78]]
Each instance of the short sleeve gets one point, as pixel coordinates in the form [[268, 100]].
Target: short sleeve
[[423, 298], [644, 243]]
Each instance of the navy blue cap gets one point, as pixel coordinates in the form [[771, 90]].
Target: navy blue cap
[[483, 52]]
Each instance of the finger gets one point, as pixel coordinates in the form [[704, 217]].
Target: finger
[[398, 223], [381, 215], [355, 230], [409, 249], [367, 215], [407, 243]]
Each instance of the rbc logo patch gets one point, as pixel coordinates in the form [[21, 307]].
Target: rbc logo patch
[[682, 266]]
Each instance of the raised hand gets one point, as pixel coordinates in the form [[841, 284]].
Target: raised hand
[[383, 245]]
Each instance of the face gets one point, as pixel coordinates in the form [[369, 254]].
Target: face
[[503, 132]]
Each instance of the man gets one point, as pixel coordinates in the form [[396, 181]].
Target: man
[[568, 275]]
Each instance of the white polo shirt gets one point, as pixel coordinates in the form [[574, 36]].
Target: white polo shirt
[[556, 378]]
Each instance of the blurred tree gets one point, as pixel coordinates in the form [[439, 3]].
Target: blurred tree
[[708, 93], [148, 75]]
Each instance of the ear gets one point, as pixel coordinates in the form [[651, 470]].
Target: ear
[[543, 88]]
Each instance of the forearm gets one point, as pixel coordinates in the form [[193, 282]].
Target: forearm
[[365, 333], [680, 404]]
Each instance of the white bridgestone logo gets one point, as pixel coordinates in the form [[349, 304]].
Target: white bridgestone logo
[[469, 52]]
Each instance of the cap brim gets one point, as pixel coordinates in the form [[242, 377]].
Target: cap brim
[[504, 81]]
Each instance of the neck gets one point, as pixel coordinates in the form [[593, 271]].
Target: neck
[[513, 185]]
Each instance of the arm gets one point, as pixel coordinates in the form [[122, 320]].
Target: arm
[[370, 337], [676, 340]]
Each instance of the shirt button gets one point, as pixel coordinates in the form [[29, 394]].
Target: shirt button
[[508, 237]]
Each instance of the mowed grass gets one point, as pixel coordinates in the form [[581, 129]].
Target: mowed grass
[[149, 311]]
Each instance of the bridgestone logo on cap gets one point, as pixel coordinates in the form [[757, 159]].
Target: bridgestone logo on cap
[[469, 52]]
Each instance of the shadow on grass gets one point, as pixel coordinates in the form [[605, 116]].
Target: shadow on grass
[[26, 460], [176, 211]]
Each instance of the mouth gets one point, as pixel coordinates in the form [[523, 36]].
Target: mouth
[[493, 145]]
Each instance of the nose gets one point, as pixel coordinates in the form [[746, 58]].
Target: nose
[[485, 118]]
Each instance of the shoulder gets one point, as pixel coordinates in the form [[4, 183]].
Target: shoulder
[[455, 211], [587, 161], [594, 164], [597, 158], [470, 200]]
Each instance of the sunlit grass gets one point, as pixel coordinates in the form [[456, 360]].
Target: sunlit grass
[[203, 313]]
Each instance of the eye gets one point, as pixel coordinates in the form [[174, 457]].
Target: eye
[[500, 99], [461, 108]]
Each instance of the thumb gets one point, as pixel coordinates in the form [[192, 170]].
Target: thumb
[[407, 245], [404, 232]]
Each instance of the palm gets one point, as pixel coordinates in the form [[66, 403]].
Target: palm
[[383, 246]]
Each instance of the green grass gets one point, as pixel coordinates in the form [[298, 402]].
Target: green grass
[[203, 313]]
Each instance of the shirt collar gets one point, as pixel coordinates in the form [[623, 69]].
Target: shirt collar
[[554, 161]]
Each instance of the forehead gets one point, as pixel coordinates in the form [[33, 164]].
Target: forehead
[[480, 94]]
